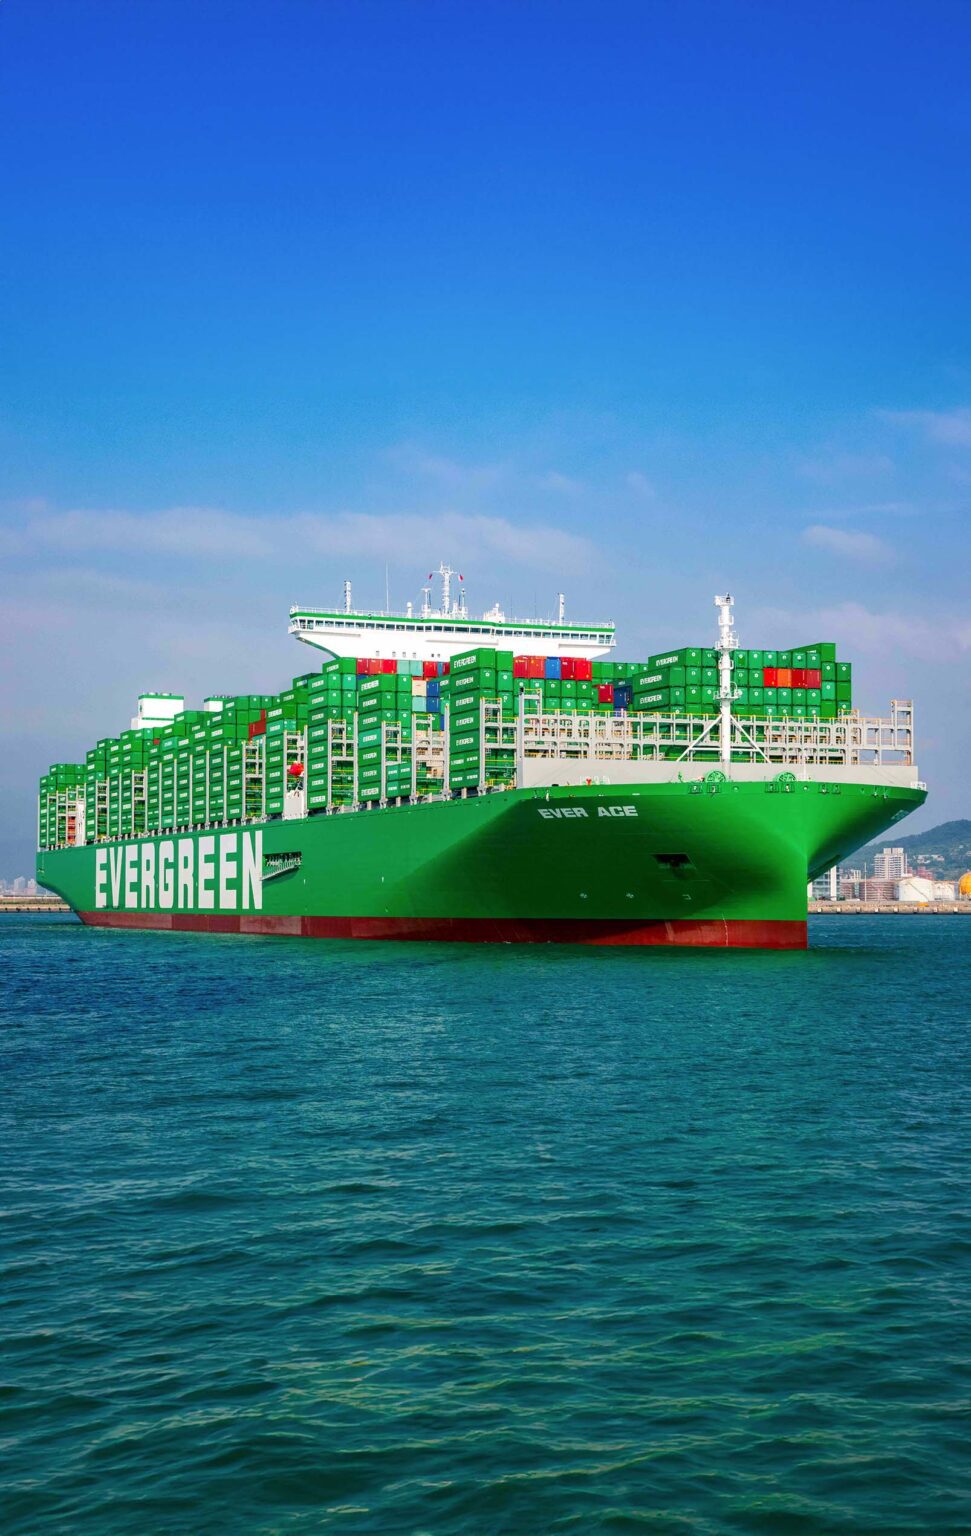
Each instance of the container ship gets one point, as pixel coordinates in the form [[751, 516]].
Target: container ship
[[443, 777]]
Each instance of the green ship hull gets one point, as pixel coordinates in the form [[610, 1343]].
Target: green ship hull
[[676, 863]]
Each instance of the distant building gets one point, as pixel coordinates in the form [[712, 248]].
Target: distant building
[[890, 864], [851, 884], [825, 887]]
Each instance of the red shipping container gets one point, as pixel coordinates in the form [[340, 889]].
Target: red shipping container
[[605, 693], [769, 675], [798, 676], [814, 677], [519, 666], [373, 666], [257, 728], [446, 668], [583, 670], [429, 669], [389, 666], [362, 666], [535, 666], [568, 669]]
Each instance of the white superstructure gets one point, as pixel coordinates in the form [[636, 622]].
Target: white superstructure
[[157, 709], [438, 634]]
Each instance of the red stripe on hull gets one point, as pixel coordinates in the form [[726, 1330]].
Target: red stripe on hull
[[713, 933]]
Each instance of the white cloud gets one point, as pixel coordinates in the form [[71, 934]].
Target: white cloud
[[640, 485], [195, 599], [870, 509], [865, 547], [197, 534], [105, 637], [189, 531], [565, 485], [835, 468], [453, 474], [410, 540], [952, 428], [942, 638]]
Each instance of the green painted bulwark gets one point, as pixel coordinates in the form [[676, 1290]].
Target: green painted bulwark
[[673, 863]]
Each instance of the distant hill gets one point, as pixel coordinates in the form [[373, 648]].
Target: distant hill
[[946, 850]]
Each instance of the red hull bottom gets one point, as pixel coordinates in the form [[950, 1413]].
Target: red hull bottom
[[716, 933]]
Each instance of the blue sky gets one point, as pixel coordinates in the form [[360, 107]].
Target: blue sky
[[641, 301]]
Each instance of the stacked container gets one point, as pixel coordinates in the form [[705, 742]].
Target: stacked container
[[351, 726], [804, 682], [332, 704], [480, 744], [384, 701]]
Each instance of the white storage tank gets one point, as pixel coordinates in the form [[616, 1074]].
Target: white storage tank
[[916, 888]]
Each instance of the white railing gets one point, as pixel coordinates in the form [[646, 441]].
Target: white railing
[[433, 616], [849, 740]]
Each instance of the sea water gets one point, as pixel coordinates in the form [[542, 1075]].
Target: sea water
[[319, 1237]]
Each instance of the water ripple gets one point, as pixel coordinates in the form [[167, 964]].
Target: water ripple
[[315, 1238]]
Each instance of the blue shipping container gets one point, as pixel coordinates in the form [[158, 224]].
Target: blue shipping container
[[553, 671]]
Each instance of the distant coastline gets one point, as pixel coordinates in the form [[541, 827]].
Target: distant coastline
[[876, 908]]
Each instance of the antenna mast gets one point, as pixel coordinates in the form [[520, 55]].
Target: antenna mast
[[446, 573], [347, 597], [727, 642]]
